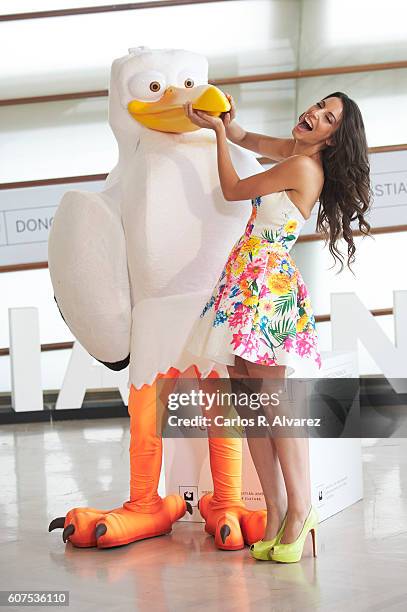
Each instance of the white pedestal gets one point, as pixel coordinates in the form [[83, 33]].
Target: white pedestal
[[335, 464]]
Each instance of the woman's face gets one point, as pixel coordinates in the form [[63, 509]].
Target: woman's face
[[317, 124]]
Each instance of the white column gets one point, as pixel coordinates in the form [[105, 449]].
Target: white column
[[83, 373], [25, 359]]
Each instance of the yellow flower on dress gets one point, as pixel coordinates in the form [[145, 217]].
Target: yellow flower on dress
[[302, 323], [252, 245], [238, 266], [279, 283], [273, 260], [279, 249], [253, 300], [290, 226], [244, 287]]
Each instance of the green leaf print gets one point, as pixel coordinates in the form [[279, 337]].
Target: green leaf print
[[283, 328], [285, 303], [267, 341], [268, 235], [289, 237]]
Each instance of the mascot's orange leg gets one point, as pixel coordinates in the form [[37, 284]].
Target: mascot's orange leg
[[226, 516], [146, 514]]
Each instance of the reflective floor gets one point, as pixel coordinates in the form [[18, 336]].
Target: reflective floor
[[46, 469]]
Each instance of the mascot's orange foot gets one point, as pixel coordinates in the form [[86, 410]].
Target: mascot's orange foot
[[85, 527], [232, 524]]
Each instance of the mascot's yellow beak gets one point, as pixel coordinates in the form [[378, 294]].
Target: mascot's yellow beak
[[167, 115]]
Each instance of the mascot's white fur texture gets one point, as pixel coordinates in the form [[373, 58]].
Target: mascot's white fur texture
[[133, 265]]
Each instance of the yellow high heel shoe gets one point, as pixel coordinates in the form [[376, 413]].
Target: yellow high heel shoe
[[260, 550], [292, 552]]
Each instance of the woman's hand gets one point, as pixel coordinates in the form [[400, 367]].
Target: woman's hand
[[230, 116], [234, 132], [202, 119]]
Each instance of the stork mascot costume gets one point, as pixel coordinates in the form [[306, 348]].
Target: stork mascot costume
[[132, 267]]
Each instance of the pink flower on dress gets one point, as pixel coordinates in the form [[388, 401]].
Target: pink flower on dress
[[305, 344], [264, 292], [251, 344], [302, 291], [266, 360], [238, 339], [219, 296], [252, 270], [240, 316], [288, 343]]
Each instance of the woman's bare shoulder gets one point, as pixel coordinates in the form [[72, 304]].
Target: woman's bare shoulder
[[306, 162], [310, 181]]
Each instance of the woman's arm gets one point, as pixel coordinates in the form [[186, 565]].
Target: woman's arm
[[291, 173], [275, 149], [288, 174]]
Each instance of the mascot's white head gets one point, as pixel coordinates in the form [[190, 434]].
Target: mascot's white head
[[148, 87]]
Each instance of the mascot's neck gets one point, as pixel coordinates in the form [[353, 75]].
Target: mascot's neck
[[155, 140], [198, 136]]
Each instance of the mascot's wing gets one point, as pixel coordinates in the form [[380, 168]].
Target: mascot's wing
[[88, 267]]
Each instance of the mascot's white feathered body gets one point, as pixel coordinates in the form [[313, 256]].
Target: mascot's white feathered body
[[133, 265]]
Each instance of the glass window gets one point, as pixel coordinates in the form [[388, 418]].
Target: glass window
[[381, 97], [74, 53], [73, 137], [347, 32], [377, 270], [56, 139]]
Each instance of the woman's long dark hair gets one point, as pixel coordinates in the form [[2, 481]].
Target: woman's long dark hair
[[346, 194]]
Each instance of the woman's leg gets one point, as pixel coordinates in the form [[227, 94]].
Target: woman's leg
[[265, 459], [293, 456]]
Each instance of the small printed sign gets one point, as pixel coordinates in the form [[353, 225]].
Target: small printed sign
[[26, 216], [189, 494], [28, 225]]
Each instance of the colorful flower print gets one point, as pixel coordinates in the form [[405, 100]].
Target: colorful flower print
[[260, 308]]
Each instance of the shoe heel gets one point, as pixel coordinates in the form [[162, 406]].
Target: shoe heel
[[314, 541]]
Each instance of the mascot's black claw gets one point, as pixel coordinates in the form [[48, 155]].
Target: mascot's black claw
[[57, 523], [100, 530], [224, 532], [68, 531], [189, 507]]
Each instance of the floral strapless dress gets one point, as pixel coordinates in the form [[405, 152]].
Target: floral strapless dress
[[260, 308]]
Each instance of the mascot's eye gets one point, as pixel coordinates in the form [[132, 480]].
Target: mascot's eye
[[189, 83], [155, 86]]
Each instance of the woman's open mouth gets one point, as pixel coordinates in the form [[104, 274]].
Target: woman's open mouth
[[304, 126]]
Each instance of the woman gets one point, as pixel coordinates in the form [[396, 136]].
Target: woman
[[259, 319]]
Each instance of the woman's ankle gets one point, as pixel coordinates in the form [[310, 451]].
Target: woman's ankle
[[299, 510], [277, 510]]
